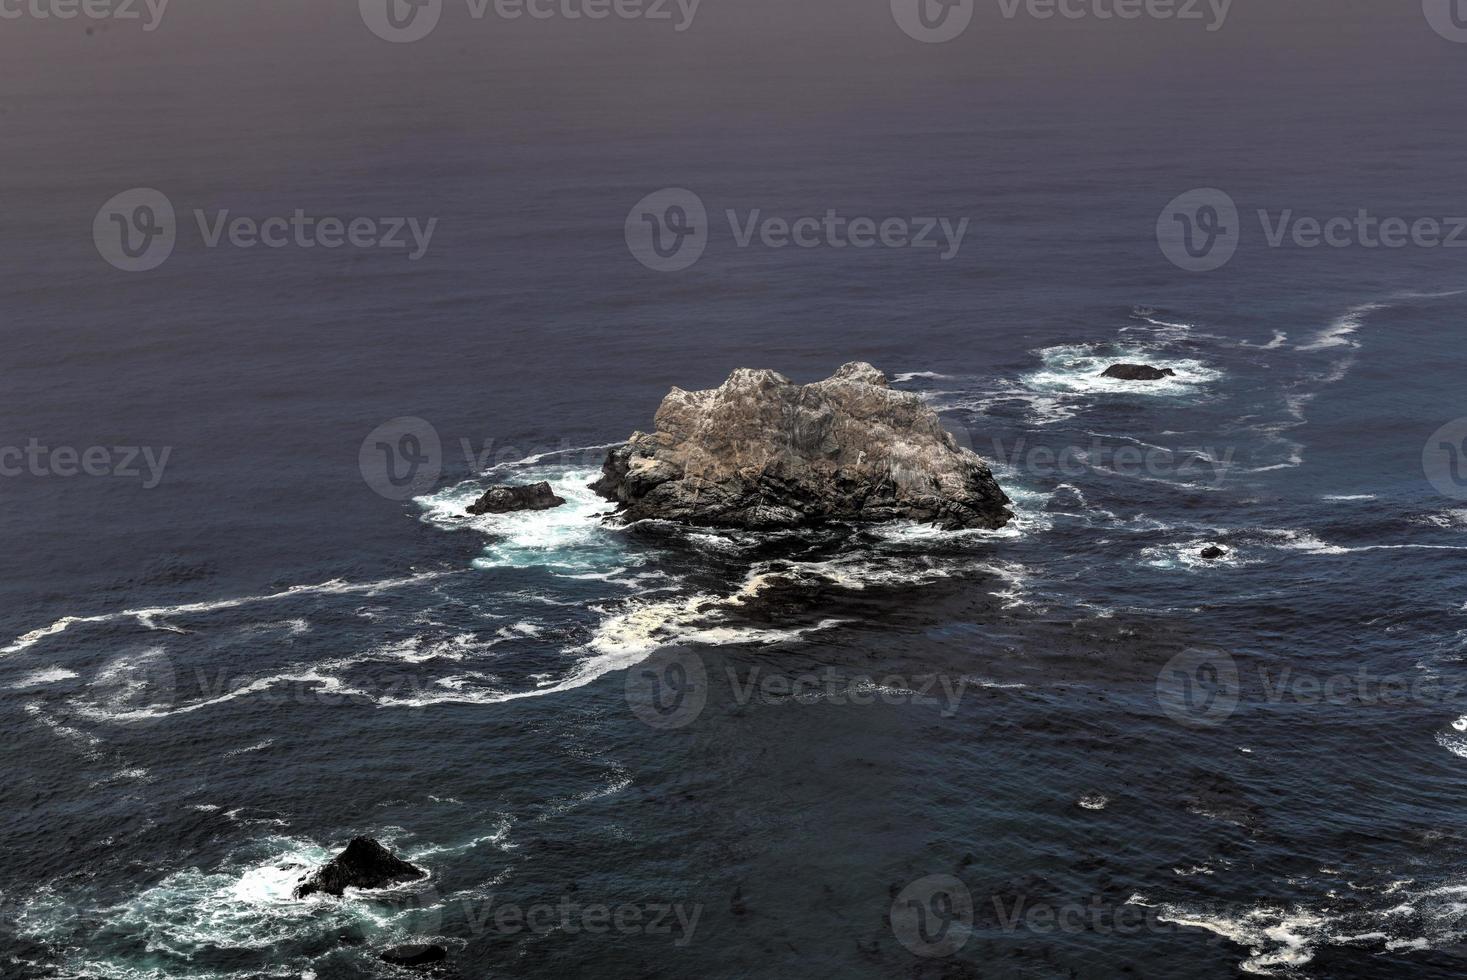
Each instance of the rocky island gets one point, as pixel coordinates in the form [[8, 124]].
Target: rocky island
[[762, 452], [364, 864]]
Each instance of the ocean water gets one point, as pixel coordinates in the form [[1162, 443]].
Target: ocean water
[[1068, 748]]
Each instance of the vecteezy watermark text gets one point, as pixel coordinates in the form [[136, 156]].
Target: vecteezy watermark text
[[1203, 687], [936, 21], [405, 21], [405, 457], [1206, 463], [670, 688], [137, 230], [935, 915], [144, 463], [1202, 229], [569, 915], [150, 12], [668, 230]]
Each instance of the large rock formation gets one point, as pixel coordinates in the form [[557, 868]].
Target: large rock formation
[[1137, 372], [504, 499], [763, 452], [364, 864]]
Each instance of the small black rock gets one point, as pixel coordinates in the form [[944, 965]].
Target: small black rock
[[1212, 552], [1138, 372], [504, 499], [364, 864]]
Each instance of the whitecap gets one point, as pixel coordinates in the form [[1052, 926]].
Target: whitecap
[[1338, 333], [148, 617], [257, 747], [571, 536], [1079, 369], [925, 375], [50, 675]]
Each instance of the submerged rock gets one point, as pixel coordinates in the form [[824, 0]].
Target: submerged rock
[[1137, 372], [414, 954], [364, 864], [763, 452], [1212, 552], [504, 499]]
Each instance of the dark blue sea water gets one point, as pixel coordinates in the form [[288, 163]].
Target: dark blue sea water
[[1069, 748]]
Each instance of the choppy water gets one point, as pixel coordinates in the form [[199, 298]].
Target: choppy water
[[750, 748]]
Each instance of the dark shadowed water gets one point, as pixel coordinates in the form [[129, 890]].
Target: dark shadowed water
[[1069, 748]]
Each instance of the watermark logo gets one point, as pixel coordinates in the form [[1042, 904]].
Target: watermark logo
[[405, 21], [1444, 459], [933, 916], [1448, 18], [667, 230], [1199, 687], [932, 21], [401, 21], [669, 689], [401, 458], [136, 230], [1199, 231]]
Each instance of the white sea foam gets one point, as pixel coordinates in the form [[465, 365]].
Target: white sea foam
[[497, 836], [1279, 339], [148, 617], [1307, 542], [1188, 555], [1043, 407], [1446, 519], [1277, 939], [1163, 329], [257, 747], [913, 375], [569, 537], [246, 906], [537, 458], [50, 675], [1455, 744], [1338, 333], [1079, 369]]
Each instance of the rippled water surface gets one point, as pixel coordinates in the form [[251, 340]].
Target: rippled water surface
[[750, 747]]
